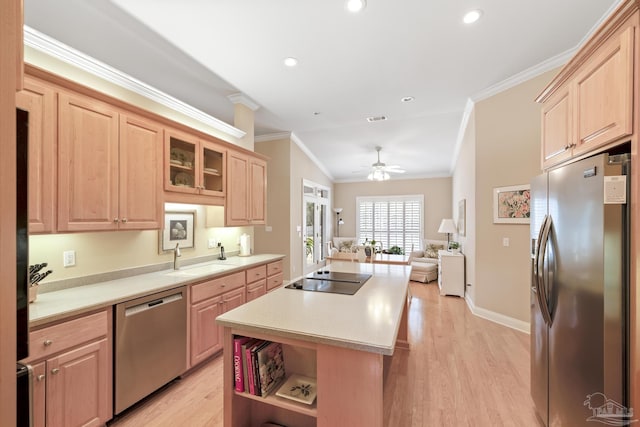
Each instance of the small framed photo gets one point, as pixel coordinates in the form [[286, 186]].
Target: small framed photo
[[178, 229], [512, 205]]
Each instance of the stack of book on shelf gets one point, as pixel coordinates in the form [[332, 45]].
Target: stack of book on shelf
[[258, 365]]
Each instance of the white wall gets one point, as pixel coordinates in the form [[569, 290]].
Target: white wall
[[502, 144], [464, 187]]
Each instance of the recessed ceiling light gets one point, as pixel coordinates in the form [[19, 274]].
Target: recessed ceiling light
[[290, 61], [472, 16], [355, 6], [407, 99]]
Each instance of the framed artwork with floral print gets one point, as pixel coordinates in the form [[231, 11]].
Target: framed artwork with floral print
[[511, 205]]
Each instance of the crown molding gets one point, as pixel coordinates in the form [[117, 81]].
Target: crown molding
[[309, 154], [272, 136], [294, 138], [528, 74], [58, 50], [241, 98]]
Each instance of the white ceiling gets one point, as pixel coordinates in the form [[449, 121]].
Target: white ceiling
[[350, 66]]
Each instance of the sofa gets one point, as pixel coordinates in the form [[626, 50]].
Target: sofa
[[424, 262]]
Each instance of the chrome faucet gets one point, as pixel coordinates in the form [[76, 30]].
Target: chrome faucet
[[176, 254]]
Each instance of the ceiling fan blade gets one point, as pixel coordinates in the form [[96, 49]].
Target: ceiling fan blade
[[395, 170]]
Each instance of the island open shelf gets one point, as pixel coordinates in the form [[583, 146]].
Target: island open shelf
[[340, 340]]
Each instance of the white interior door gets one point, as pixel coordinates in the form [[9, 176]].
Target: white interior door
[[315, 229]]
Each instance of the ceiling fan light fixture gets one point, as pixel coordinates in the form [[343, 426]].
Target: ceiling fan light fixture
[[378, 175]]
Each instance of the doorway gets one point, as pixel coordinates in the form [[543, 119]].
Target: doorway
[[315, 217]]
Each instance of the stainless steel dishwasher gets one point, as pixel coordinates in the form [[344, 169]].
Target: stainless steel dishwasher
[[150, 345]]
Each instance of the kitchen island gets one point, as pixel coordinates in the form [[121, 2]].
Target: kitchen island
[[340, 340]]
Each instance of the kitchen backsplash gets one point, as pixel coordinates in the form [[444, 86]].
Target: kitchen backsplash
[[102, 252]]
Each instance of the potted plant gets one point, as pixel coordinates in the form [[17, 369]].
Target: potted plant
[[454, 247], [395, 250]]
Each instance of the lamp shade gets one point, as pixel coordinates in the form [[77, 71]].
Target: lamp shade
[[447, 226]]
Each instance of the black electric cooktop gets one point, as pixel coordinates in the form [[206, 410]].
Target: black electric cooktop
[[335, 282]]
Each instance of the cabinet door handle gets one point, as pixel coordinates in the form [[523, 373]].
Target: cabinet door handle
[[124, 219], [54, 371], [47, 343], [115, 220], [40, 377]]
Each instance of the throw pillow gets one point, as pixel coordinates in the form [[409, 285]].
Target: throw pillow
[[346, 246], [432, 250]]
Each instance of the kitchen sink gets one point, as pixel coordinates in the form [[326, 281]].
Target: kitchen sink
[[199, 271]]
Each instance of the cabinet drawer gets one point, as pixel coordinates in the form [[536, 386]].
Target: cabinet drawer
[[274, 281], [215, 287], [256, 285], [53, 339], [256, 273], [274, 268]]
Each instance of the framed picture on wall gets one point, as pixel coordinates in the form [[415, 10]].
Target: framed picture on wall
[[462, 205], [178, 229], [511, 205]]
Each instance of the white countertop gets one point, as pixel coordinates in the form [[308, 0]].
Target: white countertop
[[53, 306], [368, 320]]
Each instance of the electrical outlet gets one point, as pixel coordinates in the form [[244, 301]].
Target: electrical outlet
[[505, 241], [69, 258], [212, 243]]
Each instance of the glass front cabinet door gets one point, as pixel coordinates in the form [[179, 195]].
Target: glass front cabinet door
[[194, 166]]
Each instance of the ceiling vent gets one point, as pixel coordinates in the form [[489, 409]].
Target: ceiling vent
[[376, 119]]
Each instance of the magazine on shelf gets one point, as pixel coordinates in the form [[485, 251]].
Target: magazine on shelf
[[254, 362], [270, 367]]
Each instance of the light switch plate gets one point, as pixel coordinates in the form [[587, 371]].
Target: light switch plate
[[69, 258], [505, 241]]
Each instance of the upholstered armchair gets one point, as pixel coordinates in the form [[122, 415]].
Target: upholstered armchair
[[424, 262]]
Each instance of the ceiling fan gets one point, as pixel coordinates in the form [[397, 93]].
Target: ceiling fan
[[380, 171]]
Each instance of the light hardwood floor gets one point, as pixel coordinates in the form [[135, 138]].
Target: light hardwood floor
[[461, 371]]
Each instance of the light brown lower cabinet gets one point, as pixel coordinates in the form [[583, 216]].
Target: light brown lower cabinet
[[72, 372], [256, 282], [274, 275], [210, 299], [256, 290]]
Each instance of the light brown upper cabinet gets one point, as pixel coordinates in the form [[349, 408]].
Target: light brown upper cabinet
[[590, 103], [247, 189], [193, 166], [108, 167], [604, 94], [556, 128], [140, 168], [40, 101]]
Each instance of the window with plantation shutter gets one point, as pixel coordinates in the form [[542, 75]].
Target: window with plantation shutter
[[391, 220]]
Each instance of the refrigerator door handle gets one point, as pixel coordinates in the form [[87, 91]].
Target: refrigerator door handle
[[536, 255], [542, 286]]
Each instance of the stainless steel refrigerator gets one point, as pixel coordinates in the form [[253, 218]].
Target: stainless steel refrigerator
[[579, 293]]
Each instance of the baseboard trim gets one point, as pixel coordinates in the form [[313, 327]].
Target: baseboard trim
[[501, 319]]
